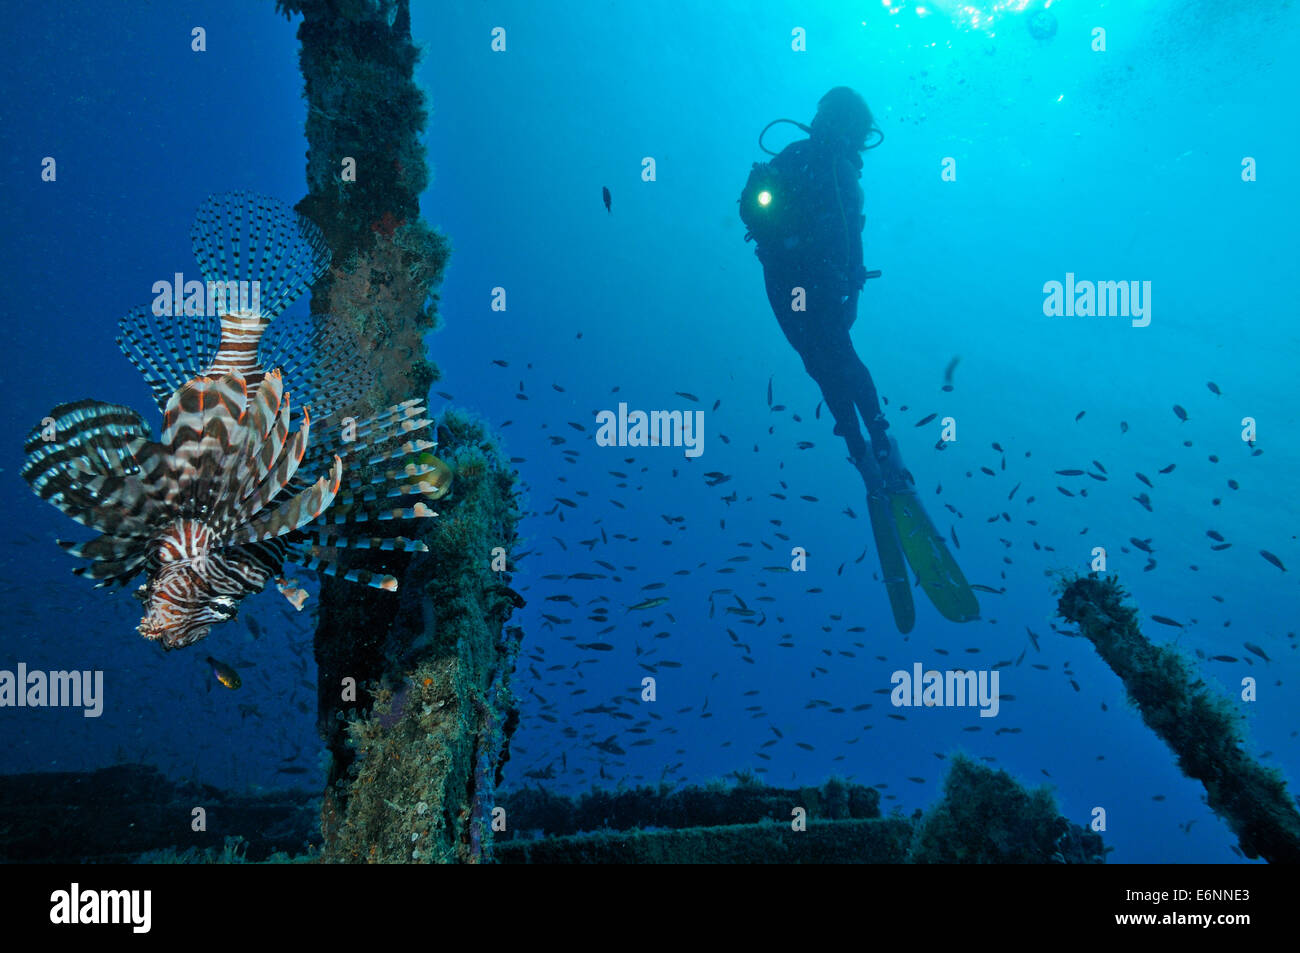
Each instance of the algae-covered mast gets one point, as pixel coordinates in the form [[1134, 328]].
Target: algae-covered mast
[[415, 781]]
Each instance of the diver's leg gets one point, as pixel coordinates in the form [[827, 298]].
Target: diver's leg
[[829, 370]]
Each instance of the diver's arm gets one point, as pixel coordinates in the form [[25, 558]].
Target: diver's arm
[[857, 222]]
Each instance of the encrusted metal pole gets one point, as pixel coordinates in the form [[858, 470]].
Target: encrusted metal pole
[[1200, 726], [414, 699]]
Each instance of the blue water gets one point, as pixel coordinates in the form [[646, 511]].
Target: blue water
[[1116, 165]]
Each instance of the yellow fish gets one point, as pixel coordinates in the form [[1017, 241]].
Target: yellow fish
[[436, 483], [225, 674]]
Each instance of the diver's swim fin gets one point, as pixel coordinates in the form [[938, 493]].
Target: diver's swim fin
[[930, 559], [893, 567]]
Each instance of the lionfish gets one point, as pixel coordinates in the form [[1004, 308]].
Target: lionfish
[[212, 510]]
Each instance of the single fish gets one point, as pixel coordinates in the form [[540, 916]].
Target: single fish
[[604, 194], [947, 373], [1180, 413], [648, 603], [1252, 647], [1214, 388], [1273, 559], [225, 674]]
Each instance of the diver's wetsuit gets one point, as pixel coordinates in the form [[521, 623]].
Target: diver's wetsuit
[[823, 255]]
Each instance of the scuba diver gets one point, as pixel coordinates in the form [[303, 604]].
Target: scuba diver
[[803, 210]]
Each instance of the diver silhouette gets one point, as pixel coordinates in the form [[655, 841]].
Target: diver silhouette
[[804, 210]]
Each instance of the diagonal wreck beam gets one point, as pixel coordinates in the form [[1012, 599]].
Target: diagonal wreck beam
[[1201, 728]]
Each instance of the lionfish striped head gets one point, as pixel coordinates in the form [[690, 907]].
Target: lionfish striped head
[[212, 510], [181, 602]]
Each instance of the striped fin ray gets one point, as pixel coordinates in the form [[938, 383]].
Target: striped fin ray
[[394, 544], [382, 488], [295, 512], [108, 571], [360, 514], [404, 418], [324, 559], [263, 430], [287, 461], [94, 444], [168, 350], [391, 478], [241, 236], [321, 359]]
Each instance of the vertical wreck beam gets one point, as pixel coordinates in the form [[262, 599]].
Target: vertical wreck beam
[[418, 744], [1200, 727]]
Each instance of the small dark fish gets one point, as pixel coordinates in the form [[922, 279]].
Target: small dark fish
[[1168, 469], [225, 674], [1098, 466], [1252, 647], [682, 393], [1123, 426], [1223, 658], [1079, 416], [1145, 501], [769, 392], [947, 372], [1214, 388], [1180, 413], [649, 603], [1142, 544], [925, 420], [1273, 559], [1069, 473], [604, 194], [1165, 620], [1145, 480], [1065, 491]]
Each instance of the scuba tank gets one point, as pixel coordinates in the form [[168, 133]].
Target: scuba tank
[[773, 207]]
